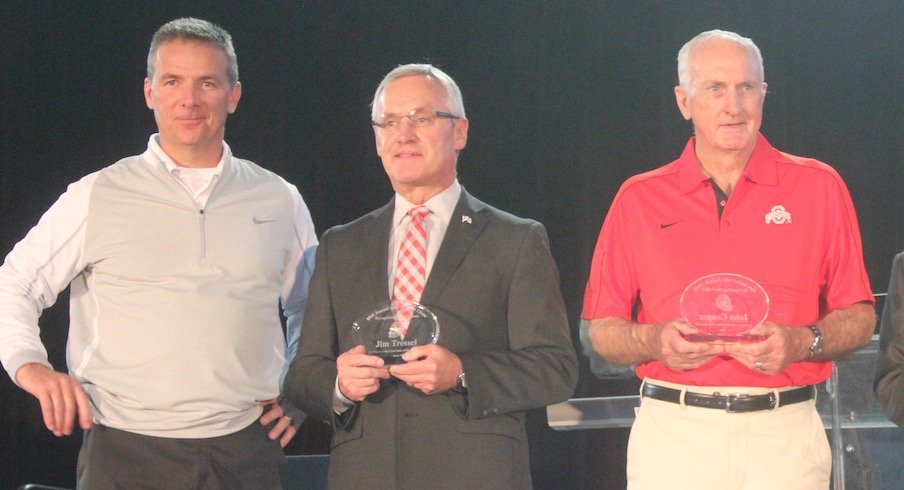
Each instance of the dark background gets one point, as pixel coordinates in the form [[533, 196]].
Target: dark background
[[566, 99]]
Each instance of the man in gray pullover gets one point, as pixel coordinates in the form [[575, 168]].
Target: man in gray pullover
[[177, 259]]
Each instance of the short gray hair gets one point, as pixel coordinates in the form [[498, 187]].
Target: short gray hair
[[191, 29], [453, 93], [684, 55]]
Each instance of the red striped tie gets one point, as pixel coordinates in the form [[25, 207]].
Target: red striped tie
[[411, 268]]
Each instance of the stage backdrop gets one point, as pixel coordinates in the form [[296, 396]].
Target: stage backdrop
[[566, 99]]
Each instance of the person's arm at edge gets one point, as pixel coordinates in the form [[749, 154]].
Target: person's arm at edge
[[48, 258], [888, 381]]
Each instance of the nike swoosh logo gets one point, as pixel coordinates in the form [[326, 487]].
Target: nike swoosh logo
[[666, 225]]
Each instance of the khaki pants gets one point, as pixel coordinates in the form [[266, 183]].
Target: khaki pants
[[677, 447]]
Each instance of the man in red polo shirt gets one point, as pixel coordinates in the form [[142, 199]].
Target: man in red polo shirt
[[731, 203]]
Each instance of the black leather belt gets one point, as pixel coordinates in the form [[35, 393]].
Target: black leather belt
[[731, 402]]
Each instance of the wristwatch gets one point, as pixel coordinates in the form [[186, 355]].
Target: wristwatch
[[816, 346], [462, 385]]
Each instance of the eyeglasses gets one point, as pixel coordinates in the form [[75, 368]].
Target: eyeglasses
[[420, 119]]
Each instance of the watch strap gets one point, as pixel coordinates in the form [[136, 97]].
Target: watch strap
[[816, 346], [461, 386]]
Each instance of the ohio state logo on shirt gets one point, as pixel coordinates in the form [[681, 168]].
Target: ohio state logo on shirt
[[778, 215]]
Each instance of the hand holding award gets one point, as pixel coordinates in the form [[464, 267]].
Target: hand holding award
[[389, 331]]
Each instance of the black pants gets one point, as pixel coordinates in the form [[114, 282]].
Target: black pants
[[115, 459]]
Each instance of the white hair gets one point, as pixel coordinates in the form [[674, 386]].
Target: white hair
[[684, 55], [453, 93]]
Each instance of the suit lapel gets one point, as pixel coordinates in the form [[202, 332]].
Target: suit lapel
[[374, 240], [465, 225]]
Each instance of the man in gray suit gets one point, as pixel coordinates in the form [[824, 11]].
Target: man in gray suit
[[453, 413], [889, 378]]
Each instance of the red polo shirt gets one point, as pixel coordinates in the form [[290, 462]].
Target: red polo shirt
[[663, 231]]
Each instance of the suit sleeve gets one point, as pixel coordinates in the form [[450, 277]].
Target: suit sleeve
[[889, 378], [540, 367], [311, 377]]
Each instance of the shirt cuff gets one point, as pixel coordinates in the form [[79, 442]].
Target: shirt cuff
[[340, 402]]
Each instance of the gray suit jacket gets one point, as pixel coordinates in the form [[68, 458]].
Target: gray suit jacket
[[495, 290], [889, 379]]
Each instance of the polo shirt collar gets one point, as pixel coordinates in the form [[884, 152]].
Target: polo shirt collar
[[763, 165], [155, 150], [762, 168]]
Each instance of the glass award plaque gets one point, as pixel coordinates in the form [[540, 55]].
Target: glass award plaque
[[389, 331], [724, 307]]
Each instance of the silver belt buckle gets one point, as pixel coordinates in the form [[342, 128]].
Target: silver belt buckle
[[729, 401], [773, 401]]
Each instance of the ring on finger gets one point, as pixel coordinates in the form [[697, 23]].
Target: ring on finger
[[758, 366]]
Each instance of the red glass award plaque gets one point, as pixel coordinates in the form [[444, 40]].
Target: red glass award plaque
[[724, 307]]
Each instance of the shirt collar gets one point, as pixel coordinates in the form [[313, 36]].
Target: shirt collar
[[761, 168], [763, 165], [441, 205], [155, 149]]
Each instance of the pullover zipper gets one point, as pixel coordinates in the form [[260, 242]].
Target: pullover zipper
[[202, 222]]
